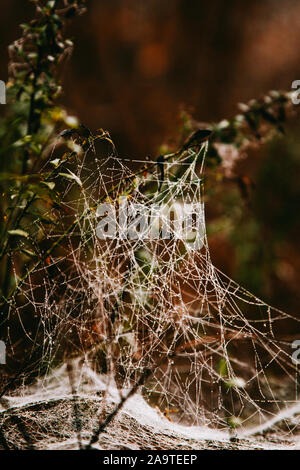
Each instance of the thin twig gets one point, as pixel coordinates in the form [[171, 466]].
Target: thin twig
[[76, 410], [110, 417]]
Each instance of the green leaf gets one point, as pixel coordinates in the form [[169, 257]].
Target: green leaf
[[42, 190], [42, 218], [29, 253], [24, 178], [234, 422], [223, 371], [50, 185], [71, 176], [55, 162], [18, 233]]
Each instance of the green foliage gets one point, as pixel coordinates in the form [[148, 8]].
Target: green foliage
[[30, 201]]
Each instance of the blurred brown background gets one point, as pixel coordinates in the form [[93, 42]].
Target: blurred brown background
[[137, 63]]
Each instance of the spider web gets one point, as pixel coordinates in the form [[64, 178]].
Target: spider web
[[216, 353]]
